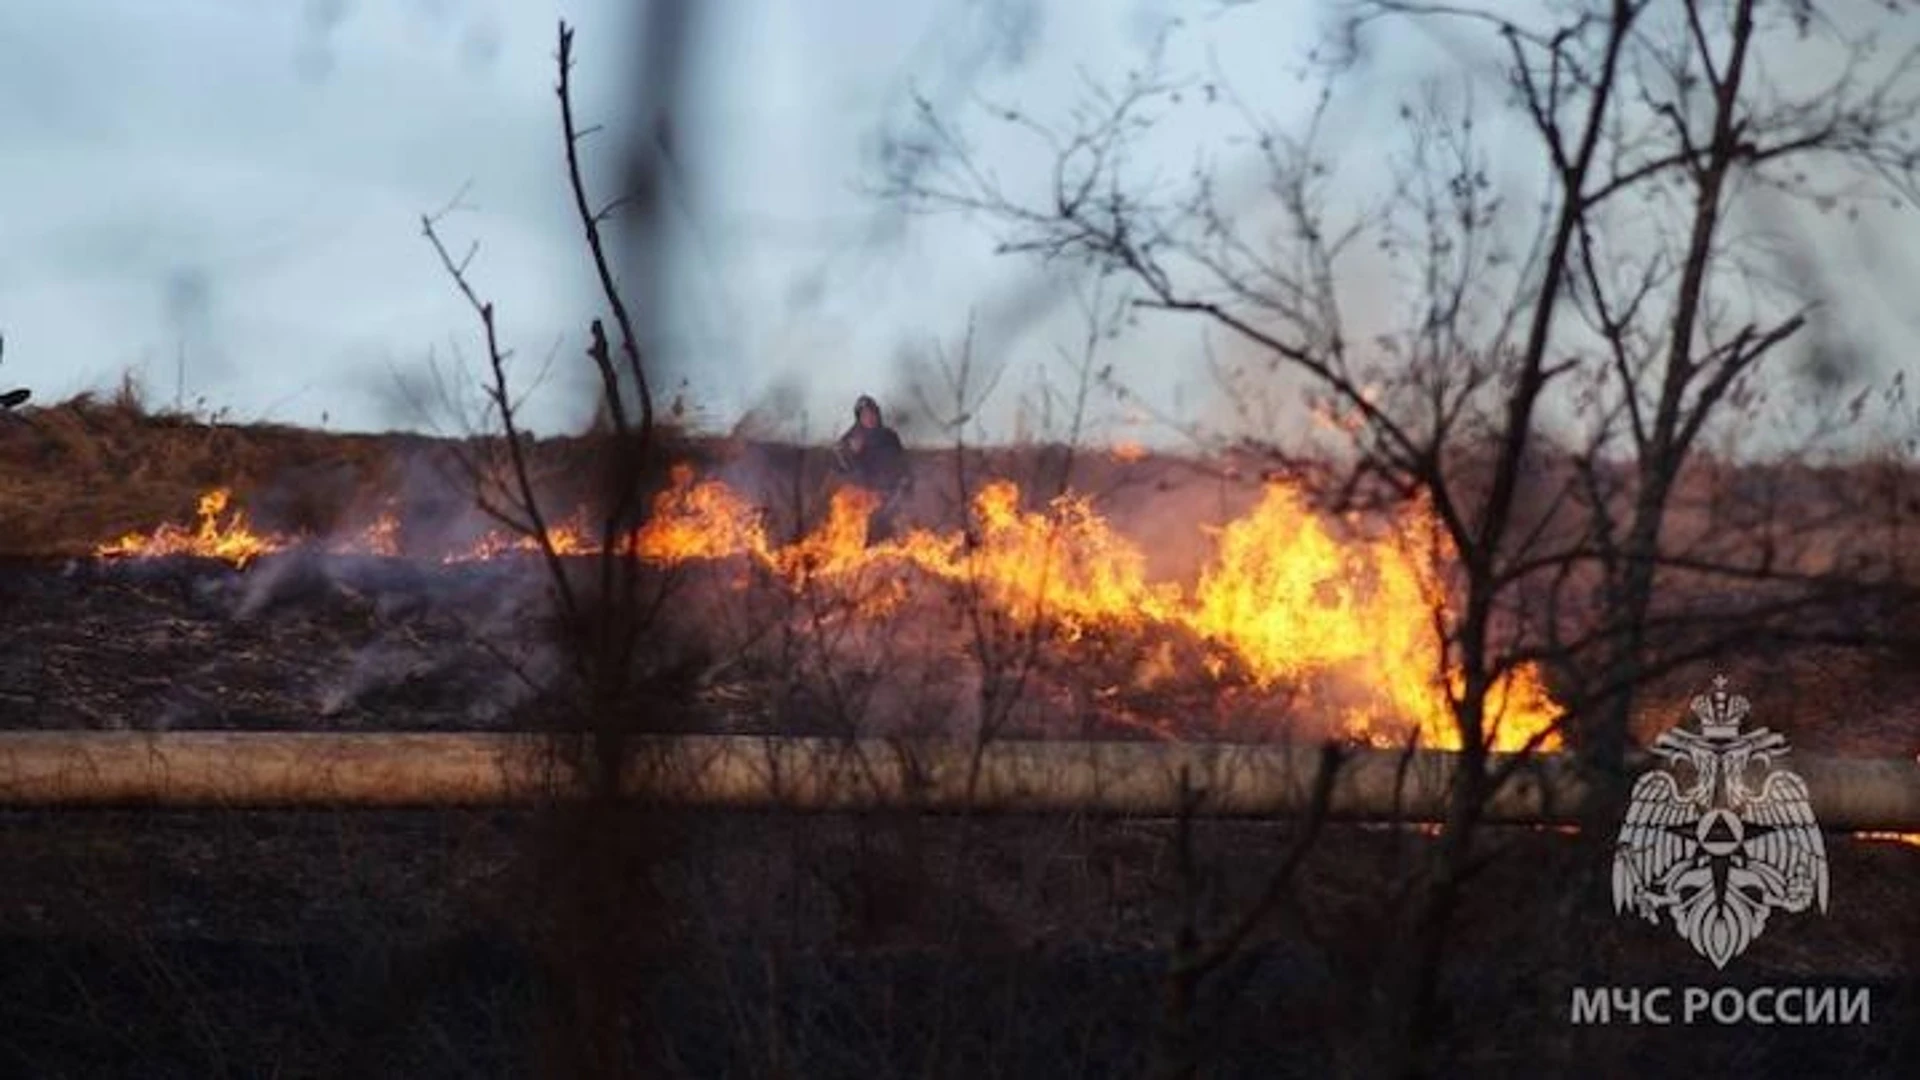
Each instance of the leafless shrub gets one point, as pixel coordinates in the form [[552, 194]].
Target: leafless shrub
[[1548, 392]]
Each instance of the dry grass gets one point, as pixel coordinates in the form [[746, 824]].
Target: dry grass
[[90, 469], [87, 470]]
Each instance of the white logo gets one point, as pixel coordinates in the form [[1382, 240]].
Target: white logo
[[1719, 838]]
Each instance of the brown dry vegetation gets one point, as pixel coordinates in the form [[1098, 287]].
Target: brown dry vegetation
[[90, 469], [79, 473]]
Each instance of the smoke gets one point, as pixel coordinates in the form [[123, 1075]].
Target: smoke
[[1812, 264], [779, 412], [979, 41], [187, 300], [472, 627], [313, 57], [405, 626], [480, 45], [473, 28]]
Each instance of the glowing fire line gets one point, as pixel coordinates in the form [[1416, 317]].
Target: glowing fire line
[[1909, 838], [1285, 597], [232, 539]]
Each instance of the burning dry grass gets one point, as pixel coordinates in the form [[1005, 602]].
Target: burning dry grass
[[1156, 610], [94, 467], [1292, 598], [86, 468], [217, 535]]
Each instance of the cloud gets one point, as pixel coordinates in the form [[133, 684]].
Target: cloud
[[145, 203]]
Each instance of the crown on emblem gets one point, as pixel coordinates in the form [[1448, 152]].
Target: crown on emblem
[[1720, 712]]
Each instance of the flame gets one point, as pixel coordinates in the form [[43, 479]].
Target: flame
[[568, 538], [1912, 838], [700, 521], [382, 538], [1292, 597], [232, 540], [1065, 564], [1286, 598], [838, 547], [1293, 601]]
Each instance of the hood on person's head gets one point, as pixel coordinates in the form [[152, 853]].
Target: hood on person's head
[[861, 406]]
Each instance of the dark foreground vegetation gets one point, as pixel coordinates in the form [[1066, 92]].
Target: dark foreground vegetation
[[313, 944]]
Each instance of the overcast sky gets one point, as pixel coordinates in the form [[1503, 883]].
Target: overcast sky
[[238, 185], [235, 187]]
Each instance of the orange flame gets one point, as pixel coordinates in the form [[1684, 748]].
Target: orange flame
[[382, 538], [1291, 597], [1285, 597], [232, 540], [568, 538], [699, 521], [1293, 601], [1065, 565], [1912, 838]]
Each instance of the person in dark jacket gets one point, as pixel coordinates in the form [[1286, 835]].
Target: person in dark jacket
[[873, 457]]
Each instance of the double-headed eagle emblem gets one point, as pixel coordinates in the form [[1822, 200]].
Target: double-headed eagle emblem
[[1719, 837]]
